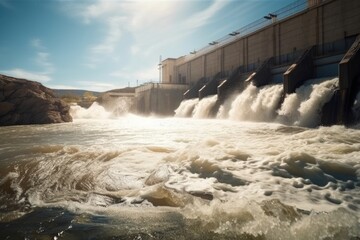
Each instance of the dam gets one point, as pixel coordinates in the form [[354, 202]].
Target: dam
[[303, 41], [260, 168]]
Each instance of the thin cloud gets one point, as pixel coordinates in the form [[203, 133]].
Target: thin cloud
[[95, 85], [41, 60], [85, 85], [37, 44], [143, 75], [99, 8], [42, 56], [108, 45], [103, 11], [145, 26], [5, 3], [21, 73], [201, 18], [138, 19], [62, 87]]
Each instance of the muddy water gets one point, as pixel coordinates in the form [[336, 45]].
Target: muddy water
[[178, 178]]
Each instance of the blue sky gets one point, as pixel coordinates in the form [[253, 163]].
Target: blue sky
[[105, 44]]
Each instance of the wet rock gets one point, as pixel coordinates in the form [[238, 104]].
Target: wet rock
[[27, 102]]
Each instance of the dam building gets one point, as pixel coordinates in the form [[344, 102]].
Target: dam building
[[304, 40]]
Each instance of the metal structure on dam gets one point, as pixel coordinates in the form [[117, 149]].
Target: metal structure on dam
[[305, 39]]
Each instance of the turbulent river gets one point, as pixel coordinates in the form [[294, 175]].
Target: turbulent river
[[131, 177]]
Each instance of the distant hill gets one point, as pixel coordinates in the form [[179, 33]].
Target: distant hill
[[85, 98], [73, 92], [122, 90]]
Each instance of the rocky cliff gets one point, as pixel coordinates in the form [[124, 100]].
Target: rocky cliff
[[28, 102]]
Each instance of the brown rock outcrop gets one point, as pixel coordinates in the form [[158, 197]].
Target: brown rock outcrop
[[27, 102]]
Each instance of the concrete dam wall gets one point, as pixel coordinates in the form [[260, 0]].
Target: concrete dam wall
[[160, 99], [306, 39], [323, 24]]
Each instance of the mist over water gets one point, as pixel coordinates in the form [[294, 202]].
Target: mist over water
[[131, 177]]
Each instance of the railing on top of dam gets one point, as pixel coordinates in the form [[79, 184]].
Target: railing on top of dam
[[289, 10]]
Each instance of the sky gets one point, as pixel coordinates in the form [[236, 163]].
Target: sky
[[100, 45]]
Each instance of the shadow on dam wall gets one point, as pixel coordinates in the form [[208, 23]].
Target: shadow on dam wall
[[308, 64]]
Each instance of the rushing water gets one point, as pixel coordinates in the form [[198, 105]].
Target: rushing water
[[108, 177], [302, 108], [178, 178]]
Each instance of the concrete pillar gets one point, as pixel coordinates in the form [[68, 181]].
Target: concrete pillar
[[349, 74], [194, 91], [299, 72], [210, 88], [312, 3], [262, 76], [228, 86]]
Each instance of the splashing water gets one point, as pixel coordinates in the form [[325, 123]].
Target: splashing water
[[303, 108], [118, 106], [256, 104], [95, 111], [148, 178], [186, 108], [195, 108], [131, 177], [204, 107]]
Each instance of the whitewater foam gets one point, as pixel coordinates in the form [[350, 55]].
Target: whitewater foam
[[205, 107], [240, 179], [195, 108], [303, 108], [256, 104], [263, 104], [95, 111], [186, 108], [179, 178]]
